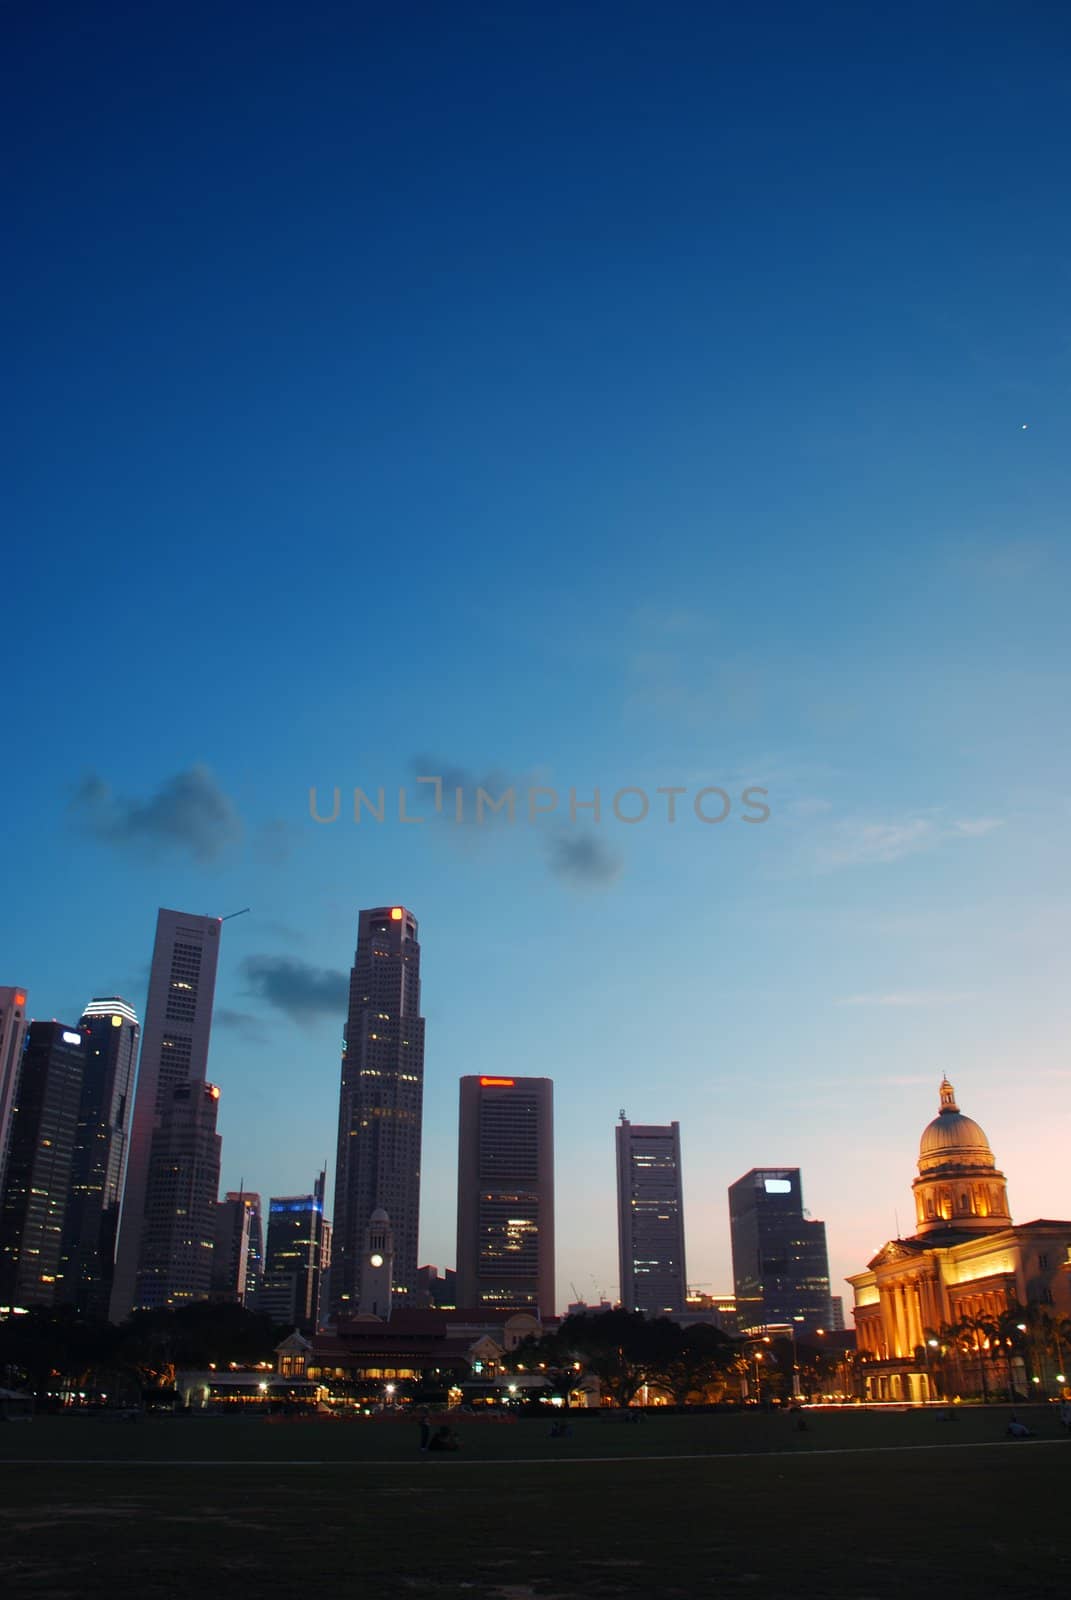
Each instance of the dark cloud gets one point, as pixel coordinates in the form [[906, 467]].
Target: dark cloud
[[453, 777], [239, 1022], [273, 842], [301, 991], [583, 860], [188, 813]]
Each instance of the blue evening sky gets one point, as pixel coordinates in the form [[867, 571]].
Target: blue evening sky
[[590, 396]]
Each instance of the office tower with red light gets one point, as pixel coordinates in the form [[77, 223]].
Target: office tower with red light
[[505, 1195], [380, 1105], [12, 1039]]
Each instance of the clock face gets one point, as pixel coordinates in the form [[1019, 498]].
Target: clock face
[[376, 1260]]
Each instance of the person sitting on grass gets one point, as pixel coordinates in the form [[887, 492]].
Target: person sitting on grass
[[444, 1438]]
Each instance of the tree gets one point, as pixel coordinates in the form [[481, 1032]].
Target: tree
[[689, 1362]]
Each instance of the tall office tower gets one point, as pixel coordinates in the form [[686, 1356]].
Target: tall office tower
[[505, 1194], [650, 1218], [325, 1273], [780, 1264], [239, 1249], [230, 1257], [290, 1291], [381, 1103], [44, 1129], [174, 1050], [12, 1038], [110, 1029], [179, 1235]]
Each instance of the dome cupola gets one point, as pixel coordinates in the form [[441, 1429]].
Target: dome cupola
[[958, 1188]]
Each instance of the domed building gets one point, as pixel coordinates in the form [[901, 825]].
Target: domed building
[[966, 1262]]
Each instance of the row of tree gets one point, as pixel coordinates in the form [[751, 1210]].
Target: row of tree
[[993, 1352], [56, 1352], [628, 1352]]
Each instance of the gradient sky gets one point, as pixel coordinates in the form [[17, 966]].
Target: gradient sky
[[590, 395]]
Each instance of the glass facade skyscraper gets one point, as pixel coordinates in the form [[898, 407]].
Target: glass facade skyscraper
[[380, 1104], [780, 1262], [650, 1213]]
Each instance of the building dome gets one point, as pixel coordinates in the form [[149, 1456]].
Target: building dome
[[958, 1186], [953, 1137]]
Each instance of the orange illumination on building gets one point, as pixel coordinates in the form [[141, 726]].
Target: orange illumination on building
[[20, 997], [496, 1083], [396, 913], [213, 1092]]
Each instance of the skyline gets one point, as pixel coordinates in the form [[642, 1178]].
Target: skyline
[[593, 1195], [573, 397]]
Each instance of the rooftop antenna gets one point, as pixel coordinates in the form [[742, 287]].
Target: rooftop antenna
[[896, 1218], [244, 912]]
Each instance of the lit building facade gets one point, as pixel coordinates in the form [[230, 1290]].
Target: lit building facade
[[290, 1290], [780, 1261], [505, 1203], [12, 1039], [650, 1218], [380, 1104], [110, 1032], [179, 1237], [174, 1051], [44, 1130], [963, 1302]]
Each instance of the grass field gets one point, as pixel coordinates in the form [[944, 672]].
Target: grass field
[[860, 1505]]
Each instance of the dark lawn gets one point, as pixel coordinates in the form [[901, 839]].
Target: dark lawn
[[915, 1521]]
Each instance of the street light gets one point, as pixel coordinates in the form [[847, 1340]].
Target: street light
[[931, 1344]]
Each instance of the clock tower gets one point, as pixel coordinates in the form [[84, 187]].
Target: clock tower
[[377, 1267]]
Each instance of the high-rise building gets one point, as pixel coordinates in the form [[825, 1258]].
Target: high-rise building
[[12, 1038], [44, 1129], [110, 1031], [780, 1264], [290, 1290], [505, 1194], [230, 1256], [381, 1103], [179, 1235], [239, 1250], [650, 1218], [174, 1051]]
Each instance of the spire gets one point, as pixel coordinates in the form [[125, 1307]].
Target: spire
[[948, 1096]]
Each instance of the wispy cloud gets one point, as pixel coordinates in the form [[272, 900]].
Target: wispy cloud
[[189, 814], [977, 827], [301, 991], [907, 997], [854, 842]]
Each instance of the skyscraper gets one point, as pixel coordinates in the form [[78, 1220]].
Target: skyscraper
[[174, 1050], [505, 1194], [290, 1291], [110, 1031], [43, 1132], [12, 1038], [780, 1264], [179, 1232], [380, 1104], [239, 1252], [650, 1217]]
